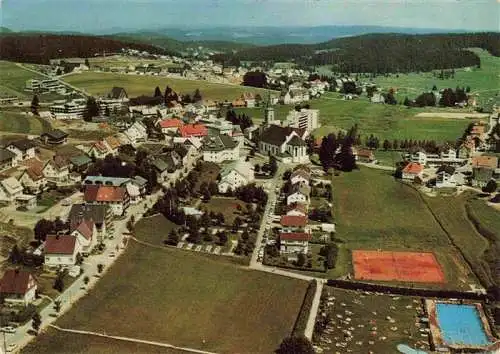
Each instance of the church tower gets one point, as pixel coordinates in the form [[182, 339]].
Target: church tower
[[268, 111]]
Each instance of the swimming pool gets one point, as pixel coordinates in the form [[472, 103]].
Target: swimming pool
[[460, 325]]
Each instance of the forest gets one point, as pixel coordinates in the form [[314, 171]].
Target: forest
[[379, 53], [40, 48]]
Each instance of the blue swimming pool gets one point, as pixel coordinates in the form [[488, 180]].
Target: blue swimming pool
[[460, 324]]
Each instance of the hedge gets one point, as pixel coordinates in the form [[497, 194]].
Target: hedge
[[301, 321]]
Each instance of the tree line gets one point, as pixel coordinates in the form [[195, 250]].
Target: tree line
[[337, 153]]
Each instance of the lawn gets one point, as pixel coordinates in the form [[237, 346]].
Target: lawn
[[226, 206], [15, 122], [483, 81], [369, 318], [388, 158], [11, 235], [373, 211], [135, 85], [13, 79], [186, 300], [56, 342]]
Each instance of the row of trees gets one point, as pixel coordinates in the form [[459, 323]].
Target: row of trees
[[243, 120], [449, 98]]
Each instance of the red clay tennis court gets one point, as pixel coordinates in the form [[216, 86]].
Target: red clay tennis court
[[419, 267]]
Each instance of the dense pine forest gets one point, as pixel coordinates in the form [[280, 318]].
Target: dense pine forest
[[379, 53], [39, 48]]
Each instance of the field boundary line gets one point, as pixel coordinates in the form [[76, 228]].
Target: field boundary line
[[128, 339]]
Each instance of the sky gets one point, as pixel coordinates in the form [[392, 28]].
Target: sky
[[94, 16]]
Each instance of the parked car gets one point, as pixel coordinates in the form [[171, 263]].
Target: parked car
[[8, 329], [112, 254]]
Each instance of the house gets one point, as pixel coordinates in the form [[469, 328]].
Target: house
[[412, 170], [6, 159], [106, 181], [136, 189], [116, 197], [193, 130], [249, 99], [99, 150], [293, 243], [165, 164], [136, 133], [285, 143], [238, 103], [24, 149], [85, 231], [54, 137], [99, 214], [301, 177], [377, 98], [419, 157], [220, 148], [290, 223], [32, 178], [294, 95], [74, 109], [112, 143], [18, 286], [235, 175], [57, 170], [298, 194], [296, 209], [80, 163], [170, 126], [365, 155], [481, 176], [61, 250], [26, 201], [484, 161], [118, 93], [10, 188], [445, 177], [467, 148]]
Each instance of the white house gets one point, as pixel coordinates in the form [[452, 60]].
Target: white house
[[10, 188], [296, 209], [115, 197], [412, 170], [234, 175], [295, 95], [136, 133], [61, 250], [293, 243], [18, 286], [85, 233], [6, 159], [220, 148], [23, 149], [298, 194], [300, 176], [57, 170], [33, 179], [445, 177]]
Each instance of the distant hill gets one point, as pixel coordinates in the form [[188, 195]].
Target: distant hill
[[5, 30], [378, 53], [39, 48]]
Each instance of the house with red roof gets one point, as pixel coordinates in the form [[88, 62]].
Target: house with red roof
[[193, 130], [18, 286], [57, 170], [296, 209], [116, 197], [85, 231], [291, 223], [293, 243], [412, 170], [32, 177], [61, 250], [171, 125]]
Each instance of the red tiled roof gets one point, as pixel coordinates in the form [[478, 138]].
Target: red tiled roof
[[189, 130], [413, 168], [171, 123], [64, 244], [295, 236], [96, 193], [293, 220], [113, 142], [86, 228], [101, 146], [16, 281]]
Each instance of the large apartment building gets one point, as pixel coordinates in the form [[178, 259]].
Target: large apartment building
[[68, 110], [46, 85]]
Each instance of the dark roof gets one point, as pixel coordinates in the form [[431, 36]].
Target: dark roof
[[80, 160], [55, 134], [218, 143], [23, 144], [116, 92], [139, 181], [295, 236], [85, 227], [296, 141], [181, 149], [160, 164], [85, 211], [16, 281], [64, 244], [6, 155], [445, 168], [276, 135]]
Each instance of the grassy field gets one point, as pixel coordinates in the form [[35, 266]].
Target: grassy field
[[373, 211], [56, 342], [226, 206], [483, 81], [488, 216], [374, 313], [187, 300], [13, 79], [15, 122], [117, 61], [135, 85]]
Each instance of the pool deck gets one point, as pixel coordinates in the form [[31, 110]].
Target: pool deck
[[438, 341]]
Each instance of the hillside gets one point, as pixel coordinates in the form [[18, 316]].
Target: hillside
[[380, 53], [39, 48]]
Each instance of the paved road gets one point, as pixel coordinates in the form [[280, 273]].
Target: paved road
[[377, 167], [314, 311], [128, 339]]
